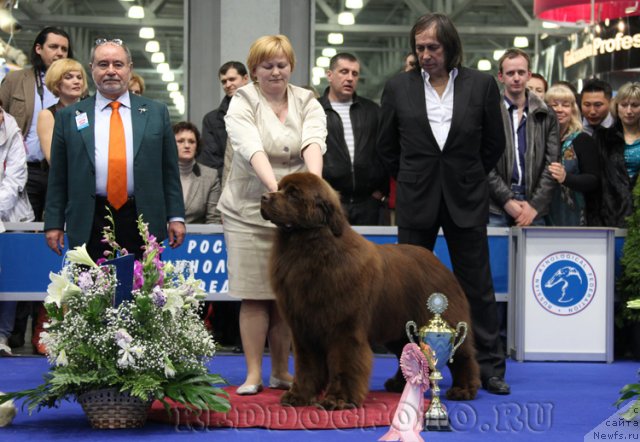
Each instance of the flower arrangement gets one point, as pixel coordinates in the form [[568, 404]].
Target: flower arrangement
[[152, 345]]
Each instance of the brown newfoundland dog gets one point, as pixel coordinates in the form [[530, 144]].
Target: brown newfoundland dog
[[339, 292]]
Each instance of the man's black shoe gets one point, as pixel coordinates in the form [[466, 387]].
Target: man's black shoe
[[496, 385]]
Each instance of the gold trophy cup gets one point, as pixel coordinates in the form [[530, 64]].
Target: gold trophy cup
[[439, 339]]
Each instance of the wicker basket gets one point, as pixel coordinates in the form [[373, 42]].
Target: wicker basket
[[110, 409]]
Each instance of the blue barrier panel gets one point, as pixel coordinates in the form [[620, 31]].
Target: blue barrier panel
[[25, 260]]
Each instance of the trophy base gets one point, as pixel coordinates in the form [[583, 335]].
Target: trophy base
[[441, 424]]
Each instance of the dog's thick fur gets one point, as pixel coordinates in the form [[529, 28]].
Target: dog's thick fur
[[339, 292]]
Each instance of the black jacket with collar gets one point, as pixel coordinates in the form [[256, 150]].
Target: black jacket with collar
[[214, 137], [358, 180]]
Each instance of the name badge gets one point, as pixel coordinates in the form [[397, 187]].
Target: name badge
[[82, 121]]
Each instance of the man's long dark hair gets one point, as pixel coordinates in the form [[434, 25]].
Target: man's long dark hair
[[447, 35], [36, 60]]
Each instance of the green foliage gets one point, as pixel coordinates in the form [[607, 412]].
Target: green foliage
[[630, 391], [628, 285]]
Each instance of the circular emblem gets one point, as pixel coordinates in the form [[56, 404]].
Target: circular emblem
[[564, 283]]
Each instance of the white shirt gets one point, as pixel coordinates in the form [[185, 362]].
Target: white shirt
[[101, 132], [343, 109], [439, 109], [34, 151]]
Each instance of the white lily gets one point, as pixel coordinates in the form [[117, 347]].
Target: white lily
[[79, 255], [59, 289], [174, 301], [62, 360]]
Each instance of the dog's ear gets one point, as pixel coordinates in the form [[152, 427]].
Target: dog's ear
[[332, 216]]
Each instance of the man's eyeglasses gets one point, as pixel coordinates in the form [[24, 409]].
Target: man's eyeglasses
[[115, 41]]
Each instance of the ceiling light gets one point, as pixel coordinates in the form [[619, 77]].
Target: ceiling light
[[521, 42], [147, 33], [173, 87], [152, 46], [353, 4], [157, 57], [174, 94], [136, 12], [550, 25], [484, 65], [498, 53], [346, 18], [621, 26], [631, 9], [163, 67], [168, 77], [544, 36], [317, 71], [315, 81], [329, 52], [323, 62], [335, 38]]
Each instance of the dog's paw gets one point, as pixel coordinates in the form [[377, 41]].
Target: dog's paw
[[292, 399], [394, 385], [331, 402], [462, 394]]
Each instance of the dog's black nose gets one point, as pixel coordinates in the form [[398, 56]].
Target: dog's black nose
[[265, 197]]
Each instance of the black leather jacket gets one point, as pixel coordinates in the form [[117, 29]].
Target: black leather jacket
[[359, 180], [214, 137]]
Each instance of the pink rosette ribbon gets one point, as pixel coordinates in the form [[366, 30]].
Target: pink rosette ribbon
[[407, 420]]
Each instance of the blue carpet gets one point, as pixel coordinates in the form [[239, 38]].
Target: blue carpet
[[550, 402]]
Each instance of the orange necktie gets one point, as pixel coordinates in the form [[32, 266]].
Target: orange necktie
[[117, 174]]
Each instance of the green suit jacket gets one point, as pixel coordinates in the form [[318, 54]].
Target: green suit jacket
[[71, 195]]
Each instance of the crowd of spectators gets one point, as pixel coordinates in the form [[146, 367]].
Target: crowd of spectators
[[580, 171]]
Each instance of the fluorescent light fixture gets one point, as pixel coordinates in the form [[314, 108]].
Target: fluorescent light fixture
[[335, 38], [147, 33], [329, 52], [484, 64], [550, 25], [498, 53], [157, 57], [173, 86], [521, 42], [544, 36], [152, 46], [168, 77], [346, 18], [317, 71], [353, 4], [136, 12], [323, 62], [174, 94], [315, 81], [631, 9], [162, 68]]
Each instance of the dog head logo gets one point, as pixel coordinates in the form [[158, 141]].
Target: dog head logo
[[303, 201], [564, 283]]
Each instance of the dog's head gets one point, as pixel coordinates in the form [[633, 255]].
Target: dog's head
[[304, 201]]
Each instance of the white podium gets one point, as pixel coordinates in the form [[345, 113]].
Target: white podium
[[561, 289]]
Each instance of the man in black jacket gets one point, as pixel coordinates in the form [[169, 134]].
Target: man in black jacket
[[233, 75], [350, 164]]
